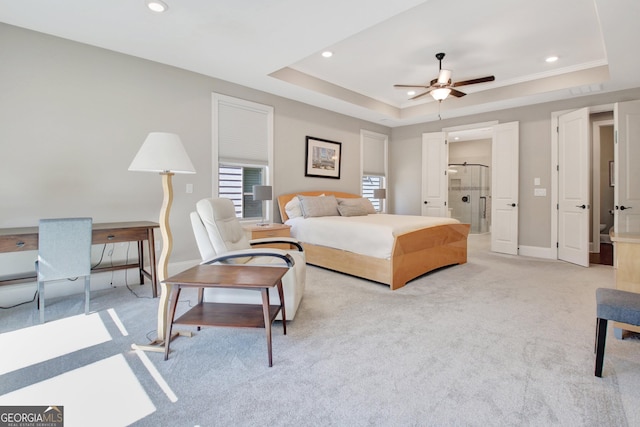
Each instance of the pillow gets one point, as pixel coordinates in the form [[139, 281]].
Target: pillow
[[318, 206], [292, 208], [361, 202], [346, 210]]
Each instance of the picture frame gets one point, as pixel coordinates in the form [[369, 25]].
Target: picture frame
[[323, 158], [612, 174]]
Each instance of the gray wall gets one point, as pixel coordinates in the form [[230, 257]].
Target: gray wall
[[73, 117], [535, 160]]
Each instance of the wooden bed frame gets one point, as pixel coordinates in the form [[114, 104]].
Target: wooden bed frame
[[414, 253]]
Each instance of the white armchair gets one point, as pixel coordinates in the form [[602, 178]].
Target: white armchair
[[221, 239]]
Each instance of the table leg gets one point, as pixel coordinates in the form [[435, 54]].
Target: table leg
[[175, 294], [141, 261], [267, 321], [284, 315]]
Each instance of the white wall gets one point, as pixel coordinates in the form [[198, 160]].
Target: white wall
[[73, 116]]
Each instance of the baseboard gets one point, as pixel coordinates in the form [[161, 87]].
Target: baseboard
[[538, 252]]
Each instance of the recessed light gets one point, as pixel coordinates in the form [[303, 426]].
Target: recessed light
[[157, 5], [327, 54], [552, 59], [411, 92]]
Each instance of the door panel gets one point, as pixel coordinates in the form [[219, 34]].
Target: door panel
[[574, 187], [435, 158], [504, 188], [627, 172]]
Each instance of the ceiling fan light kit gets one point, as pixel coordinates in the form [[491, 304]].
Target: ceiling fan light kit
[[440, 94], [441, 87]]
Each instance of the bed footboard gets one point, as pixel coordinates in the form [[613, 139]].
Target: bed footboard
[[421, 251]]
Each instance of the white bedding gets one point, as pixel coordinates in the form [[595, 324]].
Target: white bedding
[[371, 235]]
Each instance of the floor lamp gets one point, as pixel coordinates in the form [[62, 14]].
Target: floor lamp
[[162, 153]]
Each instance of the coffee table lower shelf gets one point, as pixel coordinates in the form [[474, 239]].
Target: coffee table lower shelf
[[227, 315]]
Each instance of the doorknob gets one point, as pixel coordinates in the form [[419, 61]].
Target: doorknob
[[513, 205], [581, 206], [625, 207], [425, 202]]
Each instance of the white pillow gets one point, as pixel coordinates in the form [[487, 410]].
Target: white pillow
[[292, 208]]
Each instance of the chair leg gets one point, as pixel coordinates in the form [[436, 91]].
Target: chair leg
[[41, 300], [87, 293], [601, 337]]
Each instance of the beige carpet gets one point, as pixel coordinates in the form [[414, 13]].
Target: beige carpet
[[501, 340]]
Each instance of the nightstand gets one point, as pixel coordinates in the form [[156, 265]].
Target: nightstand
[[270, 230]]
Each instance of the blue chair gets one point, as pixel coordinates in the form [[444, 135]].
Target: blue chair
[[64, 253]]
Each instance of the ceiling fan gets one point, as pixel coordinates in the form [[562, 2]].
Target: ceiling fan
[[442, 86]]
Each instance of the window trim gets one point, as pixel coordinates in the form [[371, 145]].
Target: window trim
[[217, 100], [364, 134]]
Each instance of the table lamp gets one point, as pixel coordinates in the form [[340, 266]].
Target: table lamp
[[163, 153], [262, 193], [380, 194]]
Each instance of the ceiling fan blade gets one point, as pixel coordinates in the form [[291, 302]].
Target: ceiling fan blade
[[474, 81], [400, 86], [457, 93], [420, 96]]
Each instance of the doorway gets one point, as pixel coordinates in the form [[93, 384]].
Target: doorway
[[469, 175], [583, 142], [602, 134], [504, 179]]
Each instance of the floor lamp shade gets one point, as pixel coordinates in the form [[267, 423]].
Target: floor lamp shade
[[162, 152]]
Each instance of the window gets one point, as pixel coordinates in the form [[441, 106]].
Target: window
[[242, 150], [236, 183], [370, 183], [373, 152]]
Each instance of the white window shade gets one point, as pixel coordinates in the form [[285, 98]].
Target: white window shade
[[242, 134], [373, 155]]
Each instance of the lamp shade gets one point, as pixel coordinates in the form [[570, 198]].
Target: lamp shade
[[380, 193], [441, 93], [162, 152], [262, 192]]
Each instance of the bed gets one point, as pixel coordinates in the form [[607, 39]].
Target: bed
[[411, 252]]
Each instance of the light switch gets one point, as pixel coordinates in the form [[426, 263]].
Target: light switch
[[540, 192], [189, 188], [536, 181]]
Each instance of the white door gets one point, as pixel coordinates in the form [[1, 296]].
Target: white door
[[504, 188], [574, 187], [435, 185], [627, 173]]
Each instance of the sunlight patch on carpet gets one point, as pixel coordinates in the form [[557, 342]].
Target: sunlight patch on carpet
[[36, 344], [105, 393]]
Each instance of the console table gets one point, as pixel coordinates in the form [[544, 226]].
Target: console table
[[251, 278], [26, 239]]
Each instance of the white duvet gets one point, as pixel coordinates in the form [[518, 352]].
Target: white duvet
[[371, 235]]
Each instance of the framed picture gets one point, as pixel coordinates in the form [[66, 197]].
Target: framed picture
[[323, 158], [612, 174]]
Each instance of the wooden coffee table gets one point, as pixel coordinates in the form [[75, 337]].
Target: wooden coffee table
[[251, 278]]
